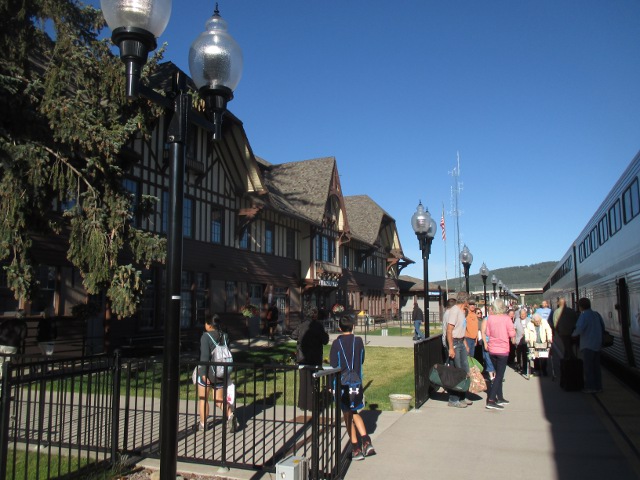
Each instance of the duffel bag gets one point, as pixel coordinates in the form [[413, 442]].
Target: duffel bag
[[449, 377]]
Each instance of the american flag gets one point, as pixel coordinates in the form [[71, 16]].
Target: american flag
[[444, 231]]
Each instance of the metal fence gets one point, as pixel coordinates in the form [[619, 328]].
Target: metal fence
[[426, 353], [66, 417]]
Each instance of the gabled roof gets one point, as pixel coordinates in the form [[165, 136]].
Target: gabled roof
[[300, 187], [365, 218]]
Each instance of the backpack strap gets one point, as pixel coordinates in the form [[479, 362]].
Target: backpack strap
[[353, 354]]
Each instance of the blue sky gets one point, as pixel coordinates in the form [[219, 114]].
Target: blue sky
[[540, 98]]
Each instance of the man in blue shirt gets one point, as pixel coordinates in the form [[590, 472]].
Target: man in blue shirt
[[544, 311], [589, 328]]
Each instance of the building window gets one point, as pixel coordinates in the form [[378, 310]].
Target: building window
[[187, 218], [325, 248], [133, 188], [187, 215], [345, 257], [269, 238], [631, 201], [291, 243], [230, 296], [615, 220], [244, 238], [217, 221], [255, 294]]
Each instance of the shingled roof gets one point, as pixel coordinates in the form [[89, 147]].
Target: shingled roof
[[300, 187], [365, 217]]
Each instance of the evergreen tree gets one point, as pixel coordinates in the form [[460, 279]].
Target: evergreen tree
[[63, 123]]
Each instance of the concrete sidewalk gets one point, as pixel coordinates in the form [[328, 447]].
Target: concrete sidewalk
[[545, 433]]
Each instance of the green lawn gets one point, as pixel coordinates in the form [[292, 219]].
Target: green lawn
[[386, 370]]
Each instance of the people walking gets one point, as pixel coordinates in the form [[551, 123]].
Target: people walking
[[310, 336], [347, 353], [418, 319], [522, 349], [539, 336], [502, 333], [589, 328], [471, 331], [564, 322], [456, 328], [208, 383]]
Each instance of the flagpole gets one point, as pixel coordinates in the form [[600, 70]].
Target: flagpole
[[444, 239]]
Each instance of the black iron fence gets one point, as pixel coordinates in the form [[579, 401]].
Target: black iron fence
[[426, 353], [66, 417]]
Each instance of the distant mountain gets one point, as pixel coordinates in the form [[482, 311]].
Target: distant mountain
[[513, 277]]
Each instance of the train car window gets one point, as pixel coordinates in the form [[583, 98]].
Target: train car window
[[593, 239], [631, 202], [603, 231], [581, 252], [615, 220], [587, 247]]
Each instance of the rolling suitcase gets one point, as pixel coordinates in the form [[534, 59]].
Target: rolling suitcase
[[571, 374]]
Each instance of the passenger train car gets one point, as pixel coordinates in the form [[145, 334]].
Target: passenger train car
[[604, 265]]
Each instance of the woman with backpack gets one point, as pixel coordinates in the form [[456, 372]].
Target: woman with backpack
[[207, 381]]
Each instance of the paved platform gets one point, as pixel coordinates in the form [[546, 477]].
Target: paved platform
[[544, 433]]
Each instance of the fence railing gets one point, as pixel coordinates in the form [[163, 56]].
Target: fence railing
[[426, 353], [66, 417]]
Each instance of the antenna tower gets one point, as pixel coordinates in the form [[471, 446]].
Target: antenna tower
[[455, 212]]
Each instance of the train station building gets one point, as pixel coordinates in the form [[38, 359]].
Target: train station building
[[255, 232]]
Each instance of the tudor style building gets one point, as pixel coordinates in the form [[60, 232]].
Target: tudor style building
[[254, 232]]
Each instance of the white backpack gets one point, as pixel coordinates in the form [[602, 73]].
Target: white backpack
[[221, 354]]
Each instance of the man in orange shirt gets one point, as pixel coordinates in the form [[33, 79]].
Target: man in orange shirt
[[471, 332]]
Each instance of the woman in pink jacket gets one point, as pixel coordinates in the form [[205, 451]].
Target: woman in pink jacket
[[499, 335]]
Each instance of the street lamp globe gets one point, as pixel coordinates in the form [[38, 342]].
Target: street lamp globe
[[135, 25], [422, 222], [494, 280], [466, 258], [215, 64], [150, 16], [500, 284], [432, 228], [484, 271]]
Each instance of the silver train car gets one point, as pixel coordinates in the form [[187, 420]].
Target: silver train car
[[604, 265]]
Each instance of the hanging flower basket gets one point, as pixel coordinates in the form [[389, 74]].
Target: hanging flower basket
[[337, 308], [250, 311]]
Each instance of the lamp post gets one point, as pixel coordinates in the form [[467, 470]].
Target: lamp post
[[466, 259], [500, 287], [215, 63], [484, 273], [494, 281], [425, 228]]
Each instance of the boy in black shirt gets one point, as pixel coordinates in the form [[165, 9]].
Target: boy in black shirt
[[347, 353]]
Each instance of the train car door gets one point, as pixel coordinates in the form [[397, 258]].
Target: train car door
[[624, 319]]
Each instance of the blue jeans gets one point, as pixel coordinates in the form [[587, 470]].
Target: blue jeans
[[460, 361], [471, 343], [488, 366], [592, 373], [418, 333], [500, 364]]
